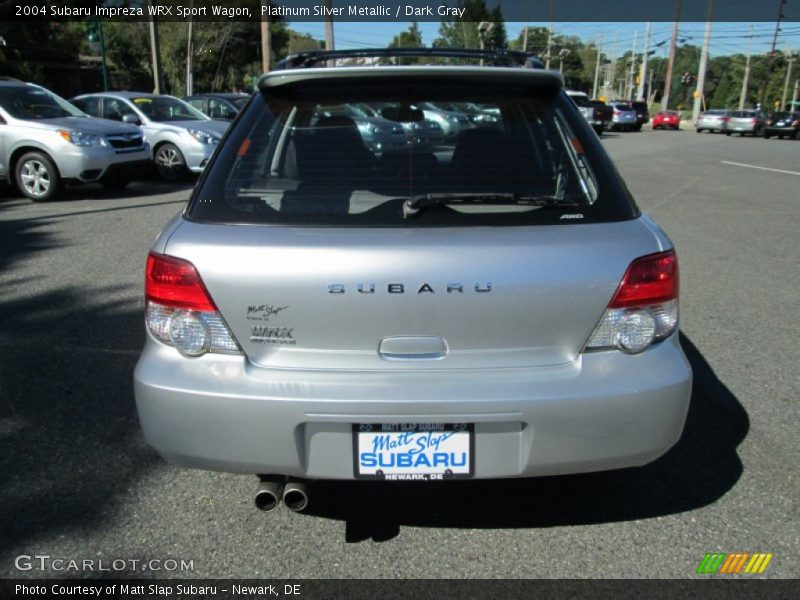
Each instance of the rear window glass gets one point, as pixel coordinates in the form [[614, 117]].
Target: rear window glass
[[580, 100], [743, 114], [782, 115], [354, 161], [715, 112]]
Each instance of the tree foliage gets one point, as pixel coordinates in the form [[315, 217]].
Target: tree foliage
[[463, 31]]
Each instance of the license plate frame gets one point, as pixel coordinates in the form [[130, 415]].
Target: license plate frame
[[461, 438]]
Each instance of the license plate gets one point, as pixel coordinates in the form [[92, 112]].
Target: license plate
[[413, 451]]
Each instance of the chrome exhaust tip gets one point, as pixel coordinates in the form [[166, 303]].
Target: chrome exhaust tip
[[269, 493], [295, 495]]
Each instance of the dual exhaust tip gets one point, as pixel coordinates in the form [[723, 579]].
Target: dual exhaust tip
[[273, 489]]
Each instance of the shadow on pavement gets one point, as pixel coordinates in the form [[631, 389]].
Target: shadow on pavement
[[701, 468], [70, 445]]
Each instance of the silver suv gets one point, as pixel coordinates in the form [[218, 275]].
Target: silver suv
[[494, 307], [46, 143], [183, 139]]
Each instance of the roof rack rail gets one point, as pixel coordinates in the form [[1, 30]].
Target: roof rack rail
[[492, 57]]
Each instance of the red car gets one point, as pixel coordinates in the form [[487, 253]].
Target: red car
[[667, 119]]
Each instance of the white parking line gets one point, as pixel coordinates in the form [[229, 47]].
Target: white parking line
[[728, 162]]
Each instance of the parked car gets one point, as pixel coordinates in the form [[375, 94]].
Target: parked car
[[46, 143], [585, 107], [603, 113], [783, 124], [182, 138], [746, 121], [378, 134], [642, 114], [422, 135], [451, 121], [220, 106], [712, 120], [667, 119], [499, 308], [624, 117]]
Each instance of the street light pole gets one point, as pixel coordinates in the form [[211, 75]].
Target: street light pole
[[156, 54], [103, 54], [266, 41], [701, 71], [190, 55]]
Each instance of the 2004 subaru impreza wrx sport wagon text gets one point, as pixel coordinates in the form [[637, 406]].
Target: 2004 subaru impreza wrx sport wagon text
[[494, 305]]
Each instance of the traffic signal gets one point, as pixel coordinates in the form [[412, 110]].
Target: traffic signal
[[93, 31]]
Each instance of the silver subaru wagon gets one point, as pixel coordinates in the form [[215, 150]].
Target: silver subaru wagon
[[495, 306]]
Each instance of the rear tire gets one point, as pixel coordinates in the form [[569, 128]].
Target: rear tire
[[699, 131], [769, 135], [37, 177], [728, 133]]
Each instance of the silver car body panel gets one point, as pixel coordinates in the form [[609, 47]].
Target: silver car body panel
[[73, 162], [341, 326], [196, 154], [605, 410]]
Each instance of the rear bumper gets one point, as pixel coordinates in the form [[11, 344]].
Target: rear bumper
[[606, 410], [781, 130]]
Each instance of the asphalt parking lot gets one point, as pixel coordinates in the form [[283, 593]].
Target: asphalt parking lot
[[79, 482]]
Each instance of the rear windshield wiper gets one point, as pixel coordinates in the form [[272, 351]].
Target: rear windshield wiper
[[414, 206]]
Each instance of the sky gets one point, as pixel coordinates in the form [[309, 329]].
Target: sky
[[616, 38]]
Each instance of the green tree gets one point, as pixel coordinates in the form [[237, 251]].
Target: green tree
[[409, 38], [463, 32]]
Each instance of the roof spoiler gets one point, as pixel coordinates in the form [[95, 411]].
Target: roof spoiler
[[495, 57]]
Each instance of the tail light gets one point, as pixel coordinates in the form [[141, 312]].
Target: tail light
[[752, 119], [617, 112], [769, 122], [644, 309], [725, 119], [179, 310], [796, 123]]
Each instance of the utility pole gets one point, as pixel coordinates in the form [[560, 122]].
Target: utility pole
[[640, 96], [671, 60], [791, 58], [549, 36], [794, 93], [266, 40], [771, 60], [329, 42], [597, 67], [701, 72], [190, 54], [156, 54], [525, 36], [746, 80], [612, 67], [549, 46], [631, 74]]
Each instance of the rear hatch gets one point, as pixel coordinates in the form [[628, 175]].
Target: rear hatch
[[541, 291], [307, 242]]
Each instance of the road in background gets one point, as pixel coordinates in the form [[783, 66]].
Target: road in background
[[79, 482]]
